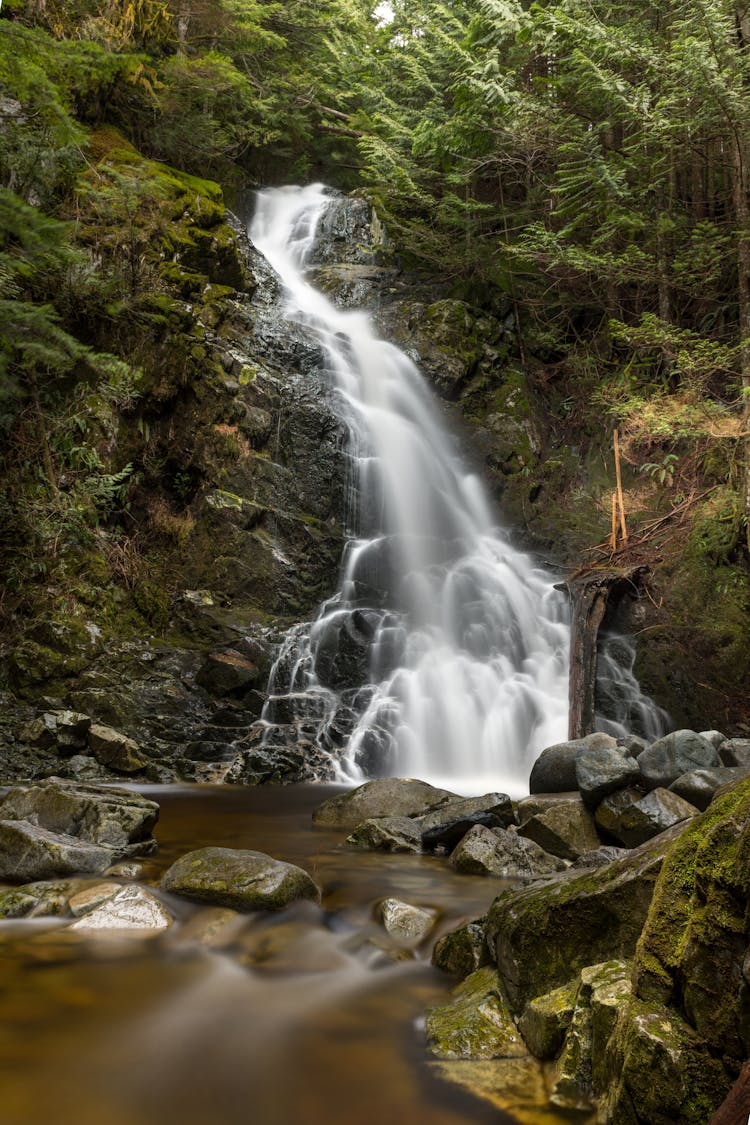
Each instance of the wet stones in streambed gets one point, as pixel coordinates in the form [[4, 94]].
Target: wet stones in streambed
[[563, 826], [58, 828], [406, 924], [496, 852], [577, 920], [383, 797], [603, 770], [462, 951], [387, 834], [700, 786], [630, 818], [477, 1024], [677, 753], [113, 907], [554, 771], [446, 826], [241, 880]]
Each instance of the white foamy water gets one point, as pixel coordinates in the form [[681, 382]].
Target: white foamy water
[[460, 640]]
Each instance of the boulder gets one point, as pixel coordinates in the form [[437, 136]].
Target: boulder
[[735, 752], [546, 1019], [91, 896], [699, 786], [633, 744], [462, 951], [387, 834], [494, 851], [656, 1069], [41, 732], [477, 1024], [601, 991], [120, 753], [694, 942], [383, 797], [99, 814], [444, 827], [227, 673], [715, 737], [542, 803], [600, 858], [126, 908], [72, 728], [241, 880], [610, 812], [554, 771], [28, 852], [543, 934], [48, 898], [675, 754], [409, 925], [565, 829], [654, 813], [604, 770]]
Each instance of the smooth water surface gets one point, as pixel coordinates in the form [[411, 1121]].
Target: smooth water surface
[[309, 1016]]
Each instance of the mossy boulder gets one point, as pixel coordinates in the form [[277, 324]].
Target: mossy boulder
[[462, 951], [241, 880], [692, 950], [542, 934], [477, 1024], [386, 796]]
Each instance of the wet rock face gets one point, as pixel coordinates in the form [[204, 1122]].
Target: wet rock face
[[58, 828]]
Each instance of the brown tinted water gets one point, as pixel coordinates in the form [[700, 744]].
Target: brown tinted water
[[310, 1016]]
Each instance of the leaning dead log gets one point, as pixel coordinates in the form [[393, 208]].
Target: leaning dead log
[[592, 591]]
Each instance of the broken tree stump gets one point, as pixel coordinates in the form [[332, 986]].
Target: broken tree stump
[[592, 591]]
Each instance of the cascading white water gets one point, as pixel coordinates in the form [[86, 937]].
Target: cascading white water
[[444, 653]]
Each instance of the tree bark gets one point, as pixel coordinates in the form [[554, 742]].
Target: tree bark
[[590, 595], [740, 185]]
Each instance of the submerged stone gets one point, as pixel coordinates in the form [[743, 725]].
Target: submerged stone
[[408, 924], [242, 880], [126, 908]]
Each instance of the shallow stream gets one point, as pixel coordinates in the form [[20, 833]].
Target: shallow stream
[[309, 1016]]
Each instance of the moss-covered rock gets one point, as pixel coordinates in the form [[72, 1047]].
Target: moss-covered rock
[[477, 1024], [693, 945], [541, 934], [241, 880], [462, 951]]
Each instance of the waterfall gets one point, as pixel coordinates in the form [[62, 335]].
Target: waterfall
[[444, 652]]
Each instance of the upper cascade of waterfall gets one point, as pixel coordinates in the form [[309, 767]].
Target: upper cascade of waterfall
[[443, 653]]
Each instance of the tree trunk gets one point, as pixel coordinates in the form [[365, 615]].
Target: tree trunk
[[590, 595], [740, 184]]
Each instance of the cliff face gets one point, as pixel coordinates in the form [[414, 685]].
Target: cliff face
[[232, 526]]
